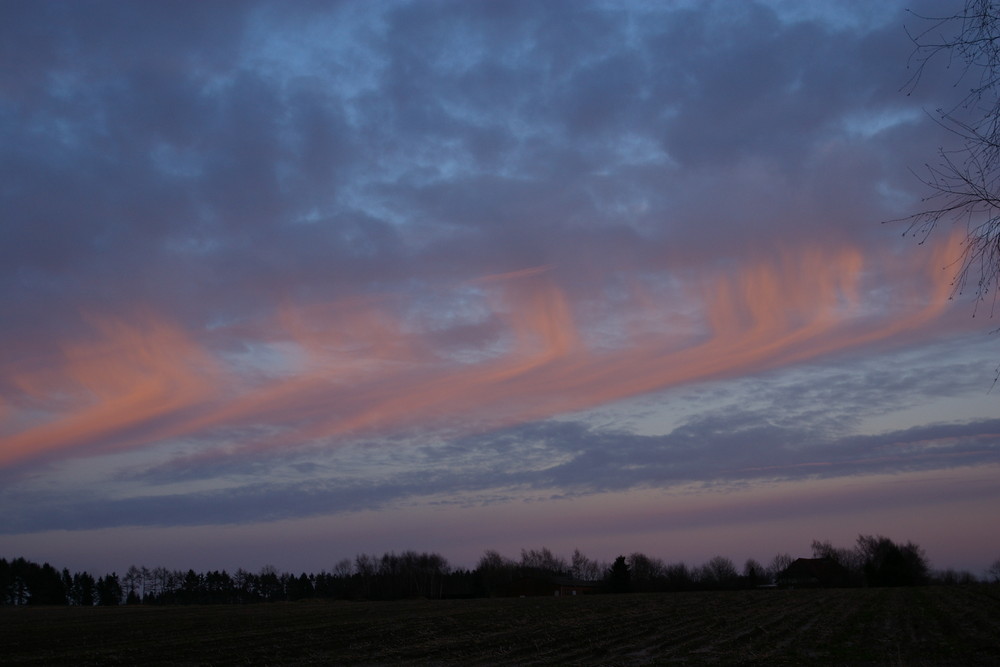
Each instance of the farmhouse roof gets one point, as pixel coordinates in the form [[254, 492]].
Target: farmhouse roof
[[814, 572]]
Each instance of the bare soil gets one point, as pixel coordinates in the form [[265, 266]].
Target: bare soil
[[907, 626]]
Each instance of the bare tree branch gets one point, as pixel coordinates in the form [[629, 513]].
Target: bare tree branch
[[965, 184]]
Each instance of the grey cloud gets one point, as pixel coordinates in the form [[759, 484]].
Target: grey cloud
[[741, 448], [247, 504], [568, 458], [501, 125]]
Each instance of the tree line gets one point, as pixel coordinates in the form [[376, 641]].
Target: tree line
[[872, 561]]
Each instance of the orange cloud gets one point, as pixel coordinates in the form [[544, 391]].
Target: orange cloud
[[360, 367], [133, 375]]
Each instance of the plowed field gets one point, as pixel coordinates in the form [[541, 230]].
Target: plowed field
[[916, 626]]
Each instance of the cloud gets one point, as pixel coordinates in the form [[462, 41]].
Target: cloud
[[778, 430], [296, 153], [568, 459], [285, 261], [363, 366]]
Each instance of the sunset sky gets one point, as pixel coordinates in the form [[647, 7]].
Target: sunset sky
[[283, 282]]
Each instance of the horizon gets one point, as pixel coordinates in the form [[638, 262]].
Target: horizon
[[285, 284], [517, 560]]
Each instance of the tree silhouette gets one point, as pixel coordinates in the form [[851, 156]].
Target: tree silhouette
[[965, 183], [847, 558], [619, 576], [886, 563], [677, 577], [754, 573], [646, 573], [585, 569], [494, 572], [719, 572], [993, 572], [269, 584], [109, 590], [878, 561], [542, 561]]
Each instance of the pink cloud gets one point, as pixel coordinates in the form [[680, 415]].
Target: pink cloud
[[362, 369]]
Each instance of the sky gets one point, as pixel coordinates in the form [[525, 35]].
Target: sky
[[282, 283]]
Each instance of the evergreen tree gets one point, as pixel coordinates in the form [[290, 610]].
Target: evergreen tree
[[620, 576], [109, 590]]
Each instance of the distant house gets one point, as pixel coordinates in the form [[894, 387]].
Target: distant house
[[540, 585], [813, 573]]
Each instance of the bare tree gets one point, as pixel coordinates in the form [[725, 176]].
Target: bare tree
[[133, 584], [543, 560], [965, 183], [993, 572], [584, 568], [365, 567], [778, 565], [847, 558], [719, 572], [343, 568], [495, 572], [647, 572]]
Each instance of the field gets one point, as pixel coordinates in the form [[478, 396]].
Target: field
[[915, 626]]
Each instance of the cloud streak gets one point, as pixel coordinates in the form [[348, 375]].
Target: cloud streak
[[732, 451], [359, 368]]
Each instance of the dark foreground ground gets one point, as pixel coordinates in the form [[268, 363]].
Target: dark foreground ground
[[916, 626]]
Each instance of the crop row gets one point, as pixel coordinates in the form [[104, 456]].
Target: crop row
[[928, 625]]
